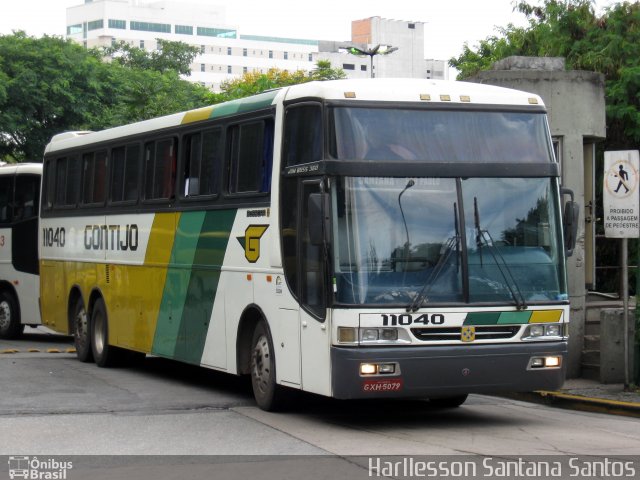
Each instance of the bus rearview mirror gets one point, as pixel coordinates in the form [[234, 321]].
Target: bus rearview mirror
[[570, 222]]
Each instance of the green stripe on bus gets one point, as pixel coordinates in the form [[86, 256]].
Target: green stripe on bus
[[482, 318], [248, 104], [203, 284], [175, 288], [514, 318]]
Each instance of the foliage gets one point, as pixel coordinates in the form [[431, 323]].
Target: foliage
[[168, 57], [49, 85], [255, 82]]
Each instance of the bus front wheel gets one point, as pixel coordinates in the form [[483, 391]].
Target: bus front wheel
[[269, 395], [10, 326], [81, 333]]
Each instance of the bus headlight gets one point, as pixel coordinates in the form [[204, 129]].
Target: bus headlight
[[372, 336], [543, 331], [378, 335]]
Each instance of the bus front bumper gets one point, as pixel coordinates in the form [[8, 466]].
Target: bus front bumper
[[443, 371]]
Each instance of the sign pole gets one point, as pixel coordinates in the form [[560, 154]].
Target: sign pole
[[622, 220], [625, 306]]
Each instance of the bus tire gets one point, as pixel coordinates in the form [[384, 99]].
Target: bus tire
[[81, 332], [448, 402], [104, 354], [269, 396], [10, 325]]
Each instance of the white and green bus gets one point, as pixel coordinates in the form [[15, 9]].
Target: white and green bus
[[355, 239], [19, 284]]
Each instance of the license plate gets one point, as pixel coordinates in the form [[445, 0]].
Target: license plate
[[383, 385]]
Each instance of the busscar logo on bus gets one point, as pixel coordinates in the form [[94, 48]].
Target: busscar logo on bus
[[111, 237]]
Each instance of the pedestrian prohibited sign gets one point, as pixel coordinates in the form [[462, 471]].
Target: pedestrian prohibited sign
[[620, 194]]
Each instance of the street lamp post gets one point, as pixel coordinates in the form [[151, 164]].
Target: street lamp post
[[372, 52]]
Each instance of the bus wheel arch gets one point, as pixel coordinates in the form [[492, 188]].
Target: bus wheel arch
[[10, 324], [79, 325]]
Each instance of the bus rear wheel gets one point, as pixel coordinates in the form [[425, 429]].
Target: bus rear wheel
[[104, 354], [269, 395], [81, 339], [10, 326]]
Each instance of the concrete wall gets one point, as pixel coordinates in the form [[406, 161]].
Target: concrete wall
[[576, 108]]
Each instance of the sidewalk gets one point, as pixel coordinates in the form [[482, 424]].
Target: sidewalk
[[589, 395]]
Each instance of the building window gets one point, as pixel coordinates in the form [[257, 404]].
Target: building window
[[216, 32], [183, 29], [310, 57], [119, 24], [95, 25], [348, 66], [141, 43], [202, 67], [202, 48], [286, 55], [229, 51], [270, 53], [74, 29], [412, 26], [150, 27], [363, 68], [113, 41], [244, 52], [229, 69]]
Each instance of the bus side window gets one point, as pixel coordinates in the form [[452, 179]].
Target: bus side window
[[6, 199], [124, 173], [27, 197], [303, 135], [201, 161], [192, 161], [67, 173], [251, 157], [160, 166], [94, 177]]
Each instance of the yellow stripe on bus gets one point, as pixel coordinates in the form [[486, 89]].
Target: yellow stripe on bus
[[546, 316]]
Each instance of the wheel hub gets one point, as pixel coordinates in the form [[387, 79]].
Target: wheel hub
[[5, 315], [261, 361]]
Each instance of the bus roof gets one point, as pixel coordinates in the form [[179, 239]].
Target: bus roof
[[12, 168], [383, 89]]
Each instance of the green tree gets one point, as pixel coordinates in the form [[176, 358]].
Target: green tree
[[50, 85], [46, 86], [255, 82], [168, 57]]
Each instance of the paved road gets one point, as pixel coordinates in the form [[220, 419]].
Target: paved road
[[52, 404]]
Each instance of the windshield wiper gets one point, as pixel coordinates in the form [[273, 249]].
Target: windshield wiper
[[407, 244], [445, 253], [483, 236]]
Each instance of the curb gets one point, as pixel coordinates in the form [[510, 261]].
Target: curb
[[579, 402], [9, 351]]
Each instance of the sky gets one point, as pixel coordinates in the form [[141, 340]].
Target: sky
[[448, 23]]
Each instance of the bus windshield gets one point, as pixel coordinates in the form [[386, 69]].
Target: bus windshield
[[447, 240], [439, 135]]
